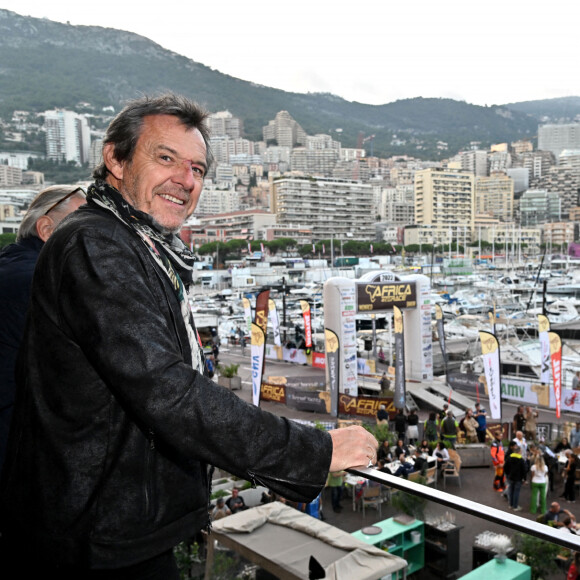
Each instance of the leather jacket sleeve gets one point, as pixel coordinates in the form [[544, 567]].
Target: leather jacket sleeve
[[124, 327]]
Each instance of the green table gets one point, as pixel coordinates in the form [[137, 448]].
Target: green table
[[492, 570], [398, 539]]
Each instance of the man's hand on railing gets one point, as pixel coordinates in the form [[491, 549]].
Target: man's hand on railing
[[352, 447]]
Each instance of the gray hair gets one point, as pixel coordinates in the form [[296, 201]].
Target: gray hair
[[125, 128], [40, 205]]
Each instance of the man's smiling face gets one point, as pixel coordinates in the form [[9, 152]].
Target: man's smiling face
[[165, 176]]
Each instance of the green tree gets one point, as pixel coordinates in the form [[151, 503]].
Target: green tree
[[281, 244]]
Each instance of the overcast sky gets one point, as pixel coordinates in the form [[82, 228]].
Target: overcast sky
[[371, 51]]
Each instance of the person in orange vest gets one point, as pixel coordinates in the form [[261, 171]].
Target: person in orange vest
[[498, 459]]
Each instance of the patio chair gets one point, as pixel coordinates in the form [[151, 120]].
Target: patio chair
[[372, 497], [452, 467]]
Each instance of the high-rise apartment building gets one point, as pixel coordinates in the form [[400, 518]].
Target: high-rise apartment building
[[521, 147], [475, 161], [563, 181], [68, 136], [556, 138], [444, 197], [10, 176], [494, 195], [499, 161], [538, 163], [284, 131], [217, 201], [224, 123], [331, 208]]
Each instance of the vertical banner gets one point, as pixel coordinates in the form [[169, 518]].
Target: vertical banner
[[261, 317], [556, 354], [273, 315], [307, 325], [332, 368], [543, 333], [491, 366], [400, 394], [258, 346], [247, 315]]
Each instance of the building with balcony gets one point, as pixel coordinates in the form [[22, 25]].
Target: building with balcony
[[538, 206], [558, 233], [563, 181], [249, 224], [331, 208], [10, 176], [444, 198], [301, 235], [215, 201], [494, 195], [475, 162], [424, 234]]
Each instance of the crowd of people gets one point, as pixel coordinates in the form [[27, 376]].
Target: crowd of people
[[442, 425]]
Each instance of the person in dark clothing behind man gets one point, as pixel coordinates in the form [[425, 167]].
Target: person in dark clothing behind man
[[17, 263], [115, 424], [400, 424], [515, 470]]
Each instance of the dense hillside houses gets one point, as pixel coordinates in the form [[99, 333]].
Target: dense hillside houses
[[291, 183]]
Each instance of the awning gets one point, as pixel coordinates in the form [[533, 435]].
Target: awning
[[281, 540]]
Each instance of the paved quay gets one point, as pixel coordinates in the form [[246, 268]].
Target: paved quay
[[476, 483]]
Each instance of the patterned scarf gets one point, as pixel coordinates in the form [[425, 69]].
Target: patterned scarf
[[168, 252]]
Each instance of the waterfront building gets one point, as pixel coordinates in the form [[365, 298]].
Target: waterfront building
[[444, 198], [331, 208], [244, 225], [558, 233]]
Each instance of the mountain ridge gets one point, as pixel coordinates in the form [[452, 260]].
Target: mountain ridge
[[46, 64]]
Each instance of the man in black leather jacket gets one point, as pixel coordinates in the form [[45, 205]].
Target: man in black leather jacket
[[115, 424]]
